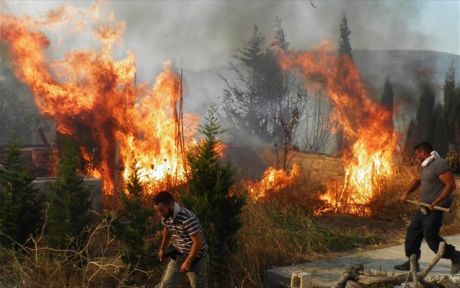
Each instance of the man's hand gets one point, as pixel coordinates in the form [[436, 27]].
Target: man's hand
[[185, 266], [161, 255]]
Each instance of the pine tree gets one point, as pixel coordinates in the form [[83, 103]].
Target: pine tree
[[70, 201], [451, 102], [280, 40], [209, 198], [242, 100], [132, 226], [345, 57], [411, 138], [387, 100], [426, 120], [20, 206], [457, 118], [440, 134], [425, 114], [344, 42], [265, 101]]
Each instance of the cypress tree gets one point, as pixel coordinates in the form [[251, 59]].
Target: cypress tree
[[451, 103], [388, 98], [132, 226], [20, 206], [344, 41], [70, 202], [209, 198]]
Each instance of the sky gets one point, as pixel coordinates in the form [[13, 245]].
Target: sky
[[201, 35]]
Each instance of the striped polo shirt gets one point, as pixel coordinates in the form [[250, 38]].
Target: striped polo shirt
[[182, 225]]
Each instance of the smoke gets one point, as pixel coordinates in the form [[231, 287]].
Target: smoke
[[201, 35], [204, 34]]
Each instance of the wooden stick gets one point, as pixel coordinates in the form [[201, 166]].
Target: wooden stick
[[413, 269], [434, 261], [439, 208]]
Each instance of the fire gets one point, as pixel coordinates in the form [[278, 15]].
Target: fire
[[273, 181], [120, 125], [370, 140]]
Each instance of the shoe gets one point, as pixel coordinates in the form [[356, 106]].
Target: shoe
[[455, 268], [406, 266]]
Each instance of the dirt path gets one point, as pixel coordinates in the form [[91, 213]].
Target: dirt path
[[327, 272]]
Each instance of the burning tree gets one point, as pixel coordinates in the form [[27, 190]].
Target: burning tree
[[372, 143], [344, 53]]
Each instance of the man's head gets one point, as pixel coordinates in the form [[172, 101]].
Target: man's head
[[423, 151], [164, 204]]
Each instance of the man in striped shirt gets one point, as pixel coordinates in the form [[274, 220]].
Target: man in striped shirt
[[189, 254]]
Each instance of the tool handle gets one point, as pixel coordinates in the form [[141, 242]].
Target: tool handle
[[427, 205]]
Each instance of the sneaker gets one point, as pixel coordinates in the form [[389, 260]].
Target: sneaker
[[455, 268], [406, 266]]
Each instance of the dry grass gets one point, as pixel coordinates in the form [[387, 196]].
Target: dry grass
[[97, 264], [277, 235]]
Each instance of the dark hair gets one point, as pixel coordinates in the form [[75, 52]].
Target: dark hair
[[163, 197], [424, 146]]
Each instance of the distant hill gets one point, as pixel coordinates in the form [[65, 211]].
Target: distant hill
[[403, 67]]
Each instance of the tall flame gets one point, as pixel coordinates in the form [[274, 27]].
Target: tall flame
[[94, 98], [370, 139]]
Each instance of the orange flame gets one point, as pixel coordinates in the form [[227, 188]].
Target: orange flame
[[93, 98], [371, 141], [273, 181]]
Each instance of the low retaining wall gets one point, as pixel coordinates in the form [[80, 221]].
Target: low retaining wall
[[43, 184]]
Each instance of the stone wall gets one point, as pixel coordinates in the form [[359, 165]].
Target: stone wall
[[318, 167]]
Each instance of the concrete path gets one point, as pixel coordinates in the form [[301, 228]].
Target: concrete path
[[327, 272]]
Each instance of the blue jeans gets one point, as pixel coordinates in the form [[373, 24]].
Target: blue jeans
[[197, 276]]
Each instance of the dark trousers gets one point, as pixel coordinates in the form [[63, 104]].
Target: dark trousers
[[426, 226]]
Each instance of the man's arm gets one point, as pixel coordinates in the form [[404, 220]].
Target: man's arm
[[166, 236], [197, 240], [447, 178], [415, 184]]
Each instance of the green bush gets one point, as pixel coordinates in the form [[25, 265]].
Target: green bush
[[20, 206]]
